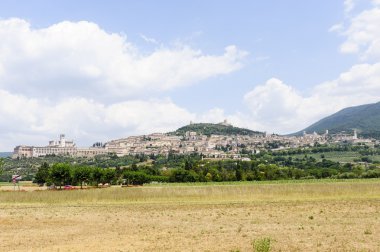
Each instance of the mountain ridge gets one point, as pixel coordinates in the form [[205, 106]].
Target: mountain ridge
[[363, 118]]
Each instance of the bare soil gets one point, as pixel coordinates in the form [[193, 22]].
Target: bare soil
[[324, 225]]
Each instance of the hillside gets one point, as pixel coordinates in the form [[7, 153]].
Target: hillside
[[364, 118], [214, 129], [5, 154]]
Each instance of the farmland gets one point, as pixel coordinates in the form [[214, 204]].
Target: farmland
[[348, 156], [324, 215]]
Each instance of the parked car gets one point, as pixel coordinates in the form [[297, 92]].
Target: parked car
[[68, 187]]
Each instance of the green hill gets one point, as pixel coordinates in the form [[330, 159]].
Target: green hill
[[214, 129], [364, 118]]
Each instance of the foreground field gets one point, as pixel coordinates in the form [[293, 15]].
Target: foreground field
[[341, 216]]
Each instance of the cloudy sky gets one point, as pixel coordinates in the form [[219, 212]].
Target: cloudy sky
[[100, 70]]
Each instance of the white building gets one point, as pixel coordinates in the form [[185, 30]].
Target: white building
[[61, 147]]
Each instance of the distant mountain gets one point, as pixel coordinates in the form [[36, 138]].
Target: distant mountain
[[214, 129], [5, 154], [364, 118]]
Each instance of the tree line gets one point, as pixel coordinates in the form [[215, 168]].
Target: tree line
[[196, 169], [1, 165], [61, 174]]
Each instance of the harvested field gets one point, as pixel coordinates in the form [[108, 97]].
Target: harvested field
[[342, 216]]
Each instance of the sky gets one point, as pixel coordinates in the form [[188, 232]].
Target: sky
[[101, 70]]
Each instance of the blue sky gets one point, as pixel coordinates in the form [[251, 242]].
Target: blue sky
[[99, 70]]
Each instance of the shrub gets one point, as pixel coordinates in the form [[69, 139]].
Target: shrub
[[347, 175], [157, 178], [262, 245], [371, 174], [136, 177], [182, 175]]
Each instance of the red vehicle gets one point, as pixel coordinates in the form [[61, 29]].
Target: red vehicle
[[68, 187]]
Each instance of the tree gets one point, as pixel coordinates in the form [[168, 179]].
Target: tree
[[108, 175], [97, 175], [136, 177], [42, 174], [60, 173], [208, 177], [134, 167], [1, 165], [81, 174], [182, 175], [239, 172], [188, 165]]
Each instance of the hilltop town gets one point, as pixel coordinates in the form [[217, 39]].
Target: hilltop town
[[219, 145]]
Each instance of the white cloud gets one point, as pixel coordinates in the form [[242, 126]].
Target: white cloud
[[81, 59], [336, 28], [147, 116], [363, 35], [348, 6], [272, 100], [75, 78], [84, 119], [148, 39], [215, 115], [276, 106], [78, 64]]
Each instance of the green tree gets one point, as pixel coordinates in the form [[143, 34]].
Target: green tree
[[42, 174], [108, 175], [134, 167], [1, 165], [97, 175], [239, 172], [188, 164], [208, 177], [81, 174], [136, 177], [182, 175], [60, 173]]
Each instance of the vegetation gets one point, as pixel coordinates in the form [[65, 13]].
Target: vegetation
[[28, 167], [364, 118], [214, 129], [262, 244], [42, 175], [1, 165], [61, 174], [322, 161]]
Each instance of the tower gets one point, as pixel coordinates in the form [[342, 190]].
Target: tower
[[62, 140], [355, 137]]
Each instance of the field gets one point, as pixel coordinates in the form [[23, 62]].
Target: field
[[302, 216], [346, 156]]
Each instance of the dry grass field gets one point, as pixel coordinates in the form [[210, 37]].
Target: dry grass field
[[322, 216]]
